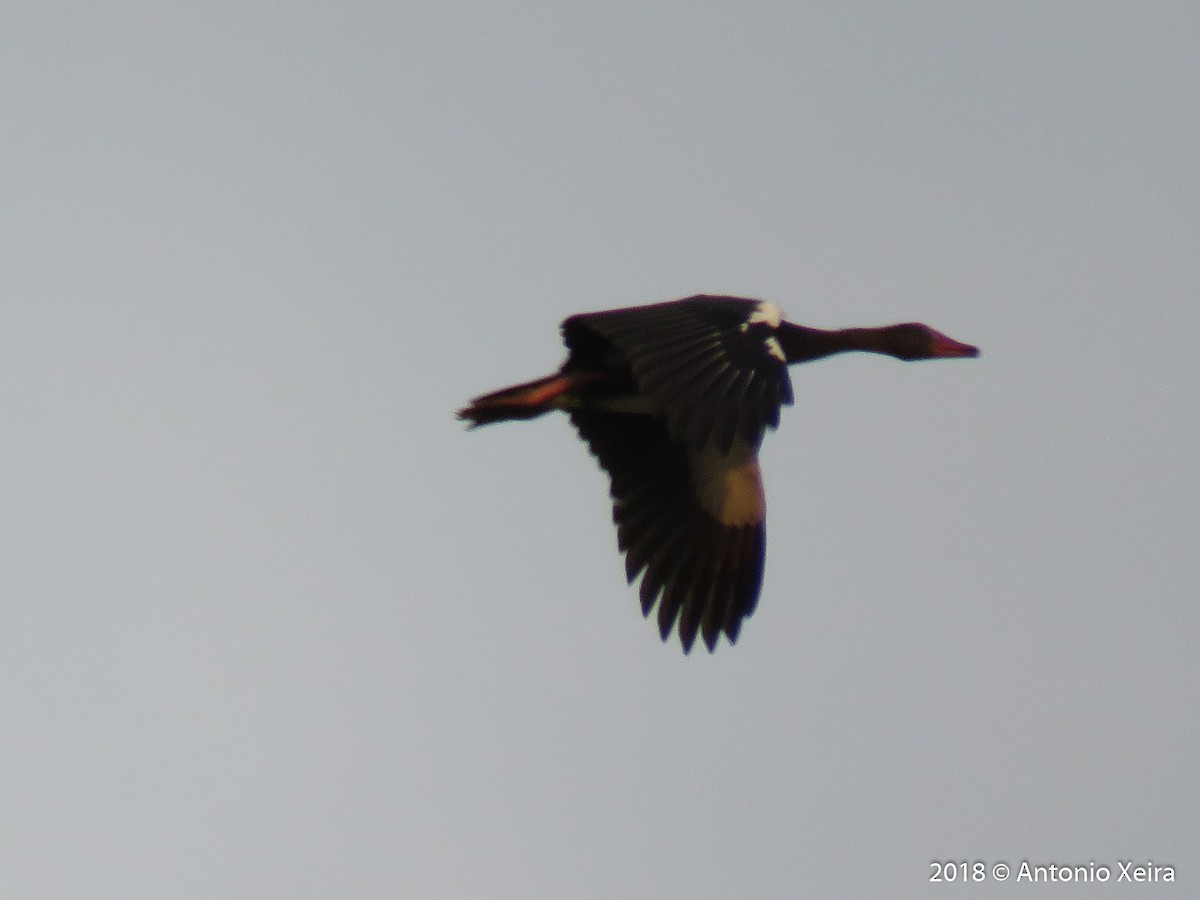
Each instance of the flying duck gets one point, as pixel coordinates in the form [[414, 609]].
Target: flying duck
[[673, 399]]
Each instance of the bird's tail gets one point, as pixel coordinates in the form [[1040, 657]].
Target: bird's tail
[[521, 401]]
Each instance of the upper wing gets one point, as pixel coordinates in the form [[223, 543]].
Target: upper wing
[[710, 366], [693, 519]]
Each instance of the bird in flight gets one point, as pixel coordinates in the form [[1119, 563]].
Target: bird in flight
[[673, 399]]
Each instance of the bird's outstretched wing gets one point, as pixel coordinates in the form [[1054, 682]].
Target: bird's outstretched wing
[[710, 366], [691, 518]]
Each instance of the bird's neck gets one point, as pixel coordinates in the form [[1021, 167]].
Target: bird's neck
[[802, 344]]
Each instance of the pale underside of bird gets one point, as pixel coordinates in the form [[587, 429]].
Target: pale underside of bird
[[674, 399]]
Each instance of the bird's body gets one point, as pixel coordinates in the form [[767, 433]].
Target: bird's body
[[674, 399]]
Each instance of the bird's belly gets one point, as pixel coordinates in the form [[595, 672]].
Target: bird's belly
[[630, 404], [633, 404]]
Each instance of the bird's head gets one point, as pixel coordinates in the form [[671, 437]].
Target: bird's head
[[913, 340]]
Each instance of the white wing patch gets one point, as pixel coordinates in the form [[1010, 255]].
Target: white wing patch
[[770, 315], [765, 314]]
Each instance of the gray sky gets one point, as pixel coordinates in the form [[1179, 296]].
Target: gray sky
[[275, 626]]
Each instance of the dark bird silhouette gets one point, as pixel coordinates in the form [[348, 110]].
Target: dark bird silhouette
[[673, 399]]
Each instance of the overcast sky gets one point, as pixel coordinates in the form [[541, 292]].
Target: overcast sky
[[274, 625]]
